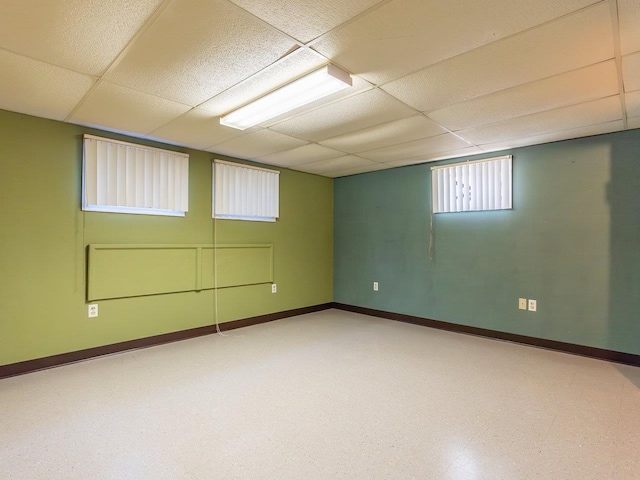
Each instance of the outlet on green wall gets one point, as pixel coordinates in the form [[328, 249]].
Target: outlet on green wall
[[572, 242], [44, 235]]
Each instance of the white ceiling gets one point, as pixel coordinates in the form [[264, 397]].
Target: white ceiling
[[433, 79]]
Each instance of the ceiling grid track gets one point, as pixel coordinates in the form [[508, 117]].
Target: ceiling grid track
[[531, 82], [264, 22], [500, 40], [306, 46], [429, 81], [154, 16], [615, 26], [48, 63], [351, 20]]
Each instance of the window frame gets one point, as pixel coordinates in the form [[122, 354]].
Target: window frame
[[247, 203], [500, 197], [181, 198]]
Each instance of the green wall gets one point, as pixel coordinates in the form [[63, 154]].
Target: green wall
[[572, 242], [44, 234]]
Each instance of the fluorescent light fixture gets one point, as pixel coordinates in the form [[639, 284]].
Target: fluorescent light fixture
[[325, 81]]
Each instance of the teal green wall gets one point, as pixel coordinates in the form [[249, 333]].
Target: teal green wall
[[572, 242], [44, 234]]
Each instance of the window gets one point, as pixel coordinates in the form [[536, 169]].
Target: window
[[243, 192], [123, 177], [472, 186]]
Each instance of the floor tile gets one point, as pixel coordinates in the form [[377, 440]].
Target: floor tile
[[329, 395]]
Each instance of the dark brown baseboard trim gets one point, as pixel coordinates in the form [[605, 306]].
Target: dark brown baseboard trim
[[593, 352], [29, 366]]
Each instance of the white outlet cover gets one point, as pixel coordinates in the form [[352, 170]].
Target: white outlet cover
[[533, 305], [93, 310], [274, 288], [375, 286], [522, 303]]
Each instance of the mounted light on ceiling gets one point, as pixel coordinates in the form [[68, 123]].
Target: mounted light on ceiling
[[325, 81]]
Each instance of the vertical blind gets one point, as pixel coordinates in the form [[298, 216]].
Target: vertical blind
[[472, 186], [127, 178], [243, 192]]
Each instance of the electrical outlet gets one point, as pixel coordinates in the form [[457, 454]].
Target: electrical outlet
[[274, 288], [522, 303], [93, 310], [533, 305], [375, 286]]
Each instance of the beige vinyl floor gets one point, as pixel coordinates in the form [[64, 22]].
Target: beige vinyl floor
[[329, 395]]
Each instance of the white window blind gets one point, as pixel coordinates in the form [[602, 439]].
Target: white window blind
[[243, 192], [472, 186], [123, 177]]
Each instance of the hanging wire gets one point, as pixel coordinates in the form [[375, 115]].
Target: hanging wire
[[215, 277], [215, 260], [431, 221], [431, 235], [215, 254]]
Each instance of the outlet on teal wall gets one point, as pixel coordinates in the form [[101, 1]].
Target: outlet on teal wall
[[571, 242], [44, 235]]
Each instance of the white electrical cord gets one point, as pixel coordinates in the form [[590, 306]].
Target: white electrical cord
[[215, 264], [431, 227], [215, 275], [431, 237], [215, 256]]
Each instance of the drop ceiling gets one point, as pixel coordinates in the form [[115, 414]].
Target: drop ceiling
[[432, 79]]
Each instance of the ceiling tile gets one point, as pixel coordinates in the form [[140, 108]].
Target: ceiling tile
[[555, 136], [353, 113], [373, 167], [462, 152], [121, 109], [76, 34], [417, 148], [196, 129], [629, 21], [589, 83], [572, 42], [301, 155], [504, 71], [632, 101], [37, 88], [198, 48], [633, 123], [336, 164], [631, 72], [257, 144], [405, 35], [590, 113], [305, 20], [282, 72], [386, 134]]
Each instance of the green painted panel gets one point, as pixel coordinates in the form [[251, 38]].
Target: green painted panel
[[120, 271], [237, 265]]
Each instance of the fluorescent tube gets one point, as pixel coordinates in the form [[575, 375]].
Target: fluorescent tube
[[325, 81]]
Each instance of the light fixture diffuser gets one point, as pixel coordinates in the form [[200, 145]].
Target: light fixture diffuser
[[325, 81]]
